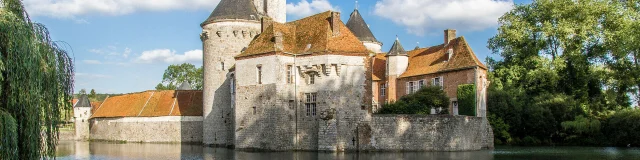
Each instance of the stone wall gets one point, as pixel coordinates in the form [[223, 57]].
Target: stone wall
[[222, 41], [424, 133], [147, 129], [273, 115]]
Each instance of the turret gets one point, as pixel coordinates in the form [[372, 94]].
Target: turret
[[359, 27], [397, 63]]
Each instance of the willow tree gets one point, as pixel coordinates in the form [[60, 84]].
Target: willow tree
[[35, 85]]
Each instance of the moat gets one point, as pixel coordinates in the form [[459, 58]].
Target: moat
[[144, 151]]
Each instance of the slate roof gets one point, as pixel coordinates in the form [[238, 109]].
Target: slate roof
[[359, 27], [233, 9], [185, 86], [152, 104], [83, 101], [310, 35], [397, 49], [435, 59]]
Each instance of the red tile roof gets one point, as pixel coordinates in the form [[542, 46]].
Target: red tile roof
[[297, 35], [379, 66], [152, 104], [435, 59]]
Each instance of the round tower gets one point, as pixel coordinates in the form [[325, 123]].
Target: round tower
[[229, 29]]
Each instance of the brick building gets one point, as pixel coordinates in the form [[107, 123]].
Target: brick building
[[453, 63]]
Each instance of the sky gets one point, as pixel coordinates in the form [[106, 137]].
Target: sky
[[124, 46]]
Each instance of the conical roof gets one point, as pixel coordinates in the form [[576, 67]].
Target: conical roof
[[397, 49], [83, 101], [233, 9], [185, 86], [359, 27]]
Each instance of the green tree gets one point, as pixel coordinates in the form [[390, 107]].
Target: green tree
[[420, 102], [561, 60], [176, 74], [35, 85], [92, 94], [82, 92]]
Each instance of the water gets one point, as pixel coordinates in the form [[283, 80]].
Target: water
[[105, 150]]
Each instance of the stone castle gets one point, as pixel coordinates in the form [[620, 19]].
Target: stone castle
[[308, 84]]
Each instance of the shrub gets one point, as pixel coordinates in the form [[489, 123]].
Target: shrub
[[623, 128], [467, 99], [420, 102]]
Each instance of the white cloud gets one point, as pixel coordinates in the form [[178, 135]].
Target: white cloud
[[73, 8], [421, 15], [304, 8], [169, 56], [92, 62], [92, 76]]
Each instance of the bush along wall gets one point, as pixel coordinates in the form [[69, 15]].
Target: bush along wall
[[467, 99]]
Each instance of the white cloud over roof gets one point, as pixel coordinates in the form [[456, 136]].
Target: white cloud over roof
[[305, 8], [419, 16]]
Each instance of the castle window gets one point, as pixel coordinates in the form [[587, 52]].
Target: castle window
[[438, 81], [410, 86], [255, 110], [383, 89], [289, 74], [310, 103], [312, 78], [259, 74]]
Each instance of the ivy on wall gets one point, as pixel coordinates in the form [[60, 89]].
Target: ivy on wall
[[467, 99]]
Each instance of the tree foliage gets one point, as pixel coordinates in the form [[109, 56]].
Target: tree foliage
[[564, 67], [467, 99], [420, 102], [176, 74], [92, 94], [36, 83]]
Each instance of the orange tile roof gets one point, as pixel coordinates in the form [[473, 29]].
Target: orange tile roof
[[152, 104], [314, 30], [379, 66], [94, 106], [73, 102], [434, 59]]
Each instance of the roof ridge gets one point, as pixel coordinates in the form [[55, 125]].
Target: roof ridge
[[317, 14]]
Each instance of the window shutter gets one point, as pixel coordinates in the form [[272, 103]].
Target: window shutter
[[442, 82], [433, 81], [408, 88]]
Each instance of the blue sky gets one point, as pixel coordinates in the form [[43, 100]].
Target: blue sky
[[123, 46]]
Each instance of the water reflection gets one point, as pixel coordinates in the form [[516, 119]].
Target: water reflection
[[105, 150]]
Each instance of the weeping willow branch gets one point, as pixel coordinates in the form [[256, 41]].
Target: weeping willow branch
[[35, 84]]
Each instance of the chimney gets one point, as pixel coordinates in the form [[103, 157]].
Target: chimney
[[266, 22], [335, 23], [278, 38], [449, 34]]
